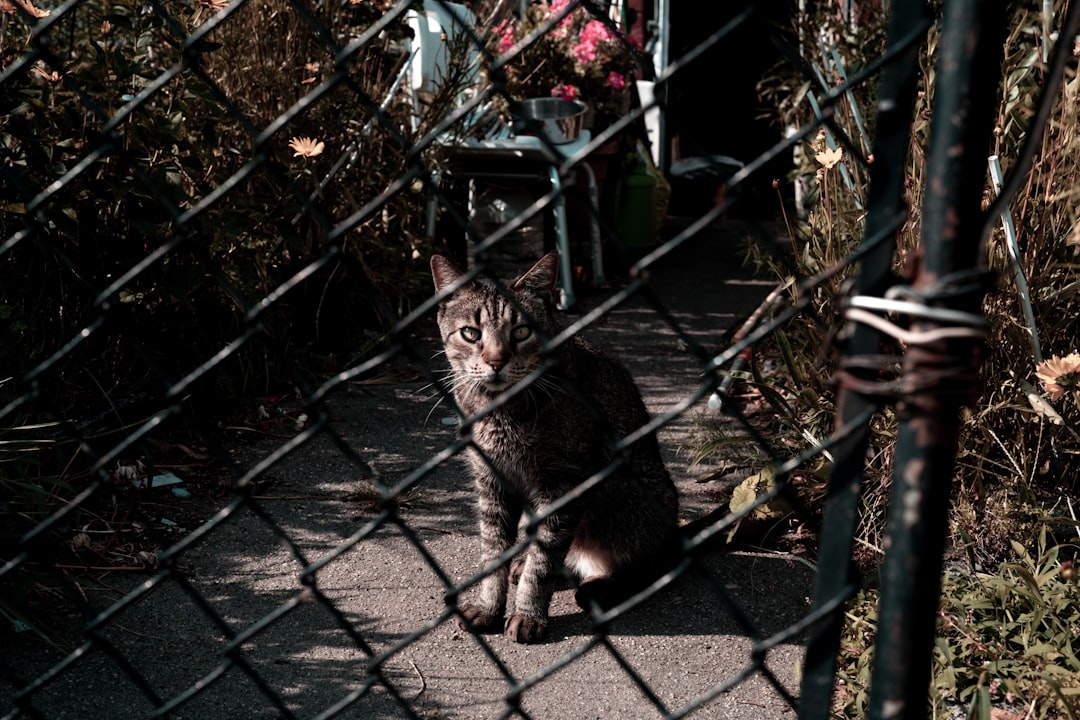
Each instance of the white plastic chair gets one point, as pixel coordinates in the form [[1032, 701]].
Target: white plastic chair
[[501, 155]]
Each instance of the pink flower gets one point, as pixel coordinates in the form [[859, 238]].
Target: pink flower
[[566, 92], [595, 32], [557, 6], [616, 80], [585, 52], [505, 31], [563, 26], [593, 35]]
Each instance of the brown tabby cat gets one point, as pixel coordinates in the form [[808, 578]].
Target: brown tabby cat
[[544, 442]]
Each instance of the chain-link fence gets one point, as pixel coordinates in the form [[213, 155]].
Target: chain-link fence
[[232, 456]]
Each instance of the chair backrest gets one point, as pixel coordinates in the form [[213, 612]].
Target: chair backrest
[[435, 29]]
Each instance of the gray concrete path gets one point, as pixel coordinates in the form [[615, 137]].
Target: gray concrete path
[[680, 644]]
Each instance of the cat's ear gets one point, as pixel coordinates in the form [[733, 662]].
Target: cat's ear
[[541, 277], [443, 273]]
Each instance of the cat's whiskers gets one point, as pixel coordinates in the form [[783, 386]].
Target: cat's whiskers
[[445, 378], [545, 385], [456, 382], [446, 375], [432, 410]]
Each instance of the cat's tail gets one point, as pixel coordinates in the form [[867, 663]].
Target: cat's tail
[[600, 593], [691, 529]]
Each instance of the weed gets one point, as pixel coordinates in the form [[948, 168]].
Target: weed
[[1006, 639], [1007, 635]]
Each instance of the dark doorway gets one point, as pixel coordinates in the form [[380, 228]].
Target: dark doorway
[[713, 104]]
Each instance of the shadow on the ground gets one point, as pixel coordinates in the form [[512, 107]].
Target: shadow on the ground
[[380, 590]]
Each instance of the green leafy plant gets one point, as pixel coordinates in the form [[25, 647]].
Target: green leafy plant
[[188, 138], [1007, 639], [1020, 447], [28, 494], [315, 217], [1012, 631], [1012, 636], [1020, 442]]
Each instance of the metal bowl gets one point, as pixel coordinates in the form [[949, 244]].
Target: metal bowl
[[556, 119]]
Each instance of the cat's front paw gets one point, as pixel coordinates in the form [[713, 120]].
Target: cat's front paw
[[526, 628], [478, 620]]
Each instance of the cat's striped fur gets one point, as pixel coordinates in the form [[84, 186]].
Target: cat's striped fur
[[544, 442]]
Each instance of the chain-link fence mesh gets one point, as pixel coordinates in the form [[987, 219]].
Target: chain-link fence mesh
[[231, 454]]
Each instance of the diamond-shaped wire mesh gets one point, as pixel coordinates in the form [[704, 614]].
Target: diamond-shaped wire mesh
[[216, 223]]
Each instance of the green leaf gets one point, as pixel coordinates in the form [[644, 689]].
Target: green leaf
[[789, 357], [1056, 670], [980, 705]]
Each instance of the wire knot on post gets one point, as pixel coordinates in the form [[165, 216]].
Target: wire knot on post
[[924, 331]]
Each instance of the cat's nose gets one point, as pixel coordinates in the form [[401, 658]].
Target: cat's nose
[[496, 357]]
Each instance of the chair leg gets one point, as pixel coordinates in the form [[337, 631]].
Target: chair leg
[[562, 242], [594, 227], [431, 206]]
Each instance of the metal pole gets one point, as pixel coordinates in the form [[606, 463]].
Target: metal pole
[[660, 55], [885, 202], [939, 375]]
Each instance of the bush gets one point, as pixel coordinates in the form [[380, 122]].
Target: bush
[[150, 194], [194, 179], [1006, 639], [1019, 444]]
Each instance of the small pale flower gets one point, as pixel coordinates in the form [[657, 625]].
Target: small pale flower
[[1059, 374], [306, 147], [829, 158], [106, 28]]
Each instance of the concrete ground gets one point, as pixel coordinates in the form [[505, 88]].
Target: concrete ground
[[672, 652]]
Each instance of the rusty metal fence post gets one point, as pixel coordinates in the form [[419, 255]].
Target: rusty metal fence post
[[939, 370], [886, 210]]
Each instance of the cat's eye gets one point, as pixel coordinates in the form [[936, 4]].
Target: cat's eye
[[521, 332], [470, 334]]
